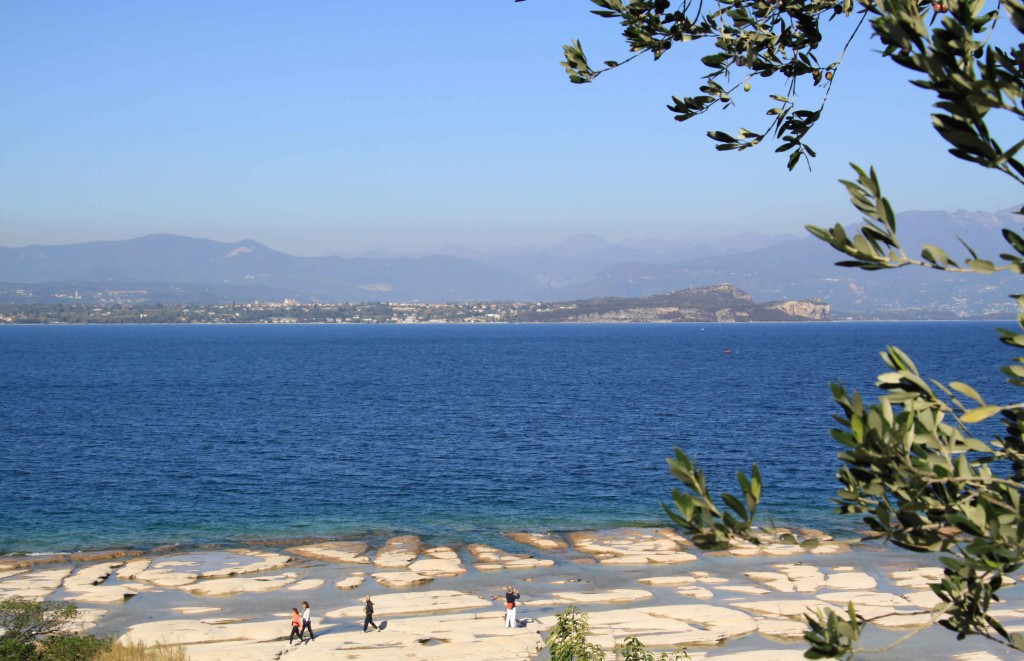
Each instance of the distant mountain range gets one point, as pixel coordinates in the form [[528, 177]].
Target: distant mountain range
[[176, 269]]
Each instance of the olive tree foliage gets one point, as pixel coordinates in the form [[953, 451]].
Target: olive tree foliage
[[945, 43], [631, 649], [27, 620], [913, 466], [568, 642], [568, 639]]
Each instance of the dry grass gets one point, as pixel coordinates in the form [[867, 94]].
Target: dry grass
[[142, 652]]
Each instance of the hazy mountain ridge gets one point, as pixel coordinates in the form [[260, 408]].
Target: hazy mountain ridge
[[173, 268], [805, 269]]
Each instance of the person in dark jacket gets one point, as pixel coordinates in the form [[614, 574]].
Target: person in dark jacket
[[368, 622], [511, 594]]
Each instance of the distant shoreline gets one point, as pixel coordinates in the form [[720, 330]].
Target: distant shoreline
[[513, 323]]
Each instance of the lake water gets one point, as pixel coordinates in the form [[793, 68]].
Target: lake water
[[144, 435]]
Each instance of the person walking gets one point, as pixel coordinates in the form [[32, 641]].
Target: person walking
[[296, 623], [368, 622], [511, 594], [307, 622]]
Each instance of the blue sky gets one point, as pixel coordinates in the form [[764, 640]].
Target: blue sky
[[341, 127]]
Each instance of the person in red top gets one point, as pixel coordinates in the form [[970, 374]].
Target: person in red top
[[296, 623]]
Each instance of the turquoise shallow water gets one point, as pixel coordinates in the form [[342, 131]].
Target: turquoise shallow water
[[143, 435]]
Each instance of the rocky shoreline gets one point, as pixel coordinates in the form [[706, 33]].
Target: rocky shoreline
[[445, 602]]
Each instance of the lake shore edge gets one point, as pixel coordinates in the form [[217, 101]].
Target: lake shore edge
[[446, 602]]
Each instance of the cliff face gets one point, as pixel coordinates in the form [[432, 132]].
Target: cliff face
[[803, 309]]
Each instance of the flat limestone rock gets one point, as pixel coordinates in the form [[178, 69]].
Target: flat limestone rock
[[414, 603], [130, 570], [903, 620], [261, 561], [850, 580], [760, 655], [1006, 613], [865, 598], [443, 553], [917, 579], [87, 618], [632, 546], [186, 569], [798, 608], [678, 557], [782, 607], [702, 577], [351, 582], [344, 552], [781, 629], [400, 579], [239, 585], [308, 584], [493, 559], [668, 581], [398, 552], [35, 585], [189, 632], [696, 592], [775, 580], [196, 610], [106, 594], [88, 585], [924, 599], [434, 567], [237, 651], [170, 579], [485, 553], [669, 626], [544, 541], [443, 637], [743, 589], [529, 563], [170, 573], [618, 595], [744, 548], [808, 578], [87, 577]]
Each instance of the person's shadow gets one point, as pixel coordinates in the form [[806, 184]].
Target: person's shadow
[[383, 625]]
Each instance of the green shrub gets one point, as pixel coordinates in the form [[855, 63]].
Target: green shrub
[[14, 647], [73, 648]]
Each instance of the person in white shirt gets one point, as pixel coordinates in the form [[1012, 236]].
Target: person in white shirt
[[307, 622]]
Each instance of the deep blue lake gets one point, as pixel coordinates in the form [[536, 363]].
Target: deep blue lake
[[143, 435]]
